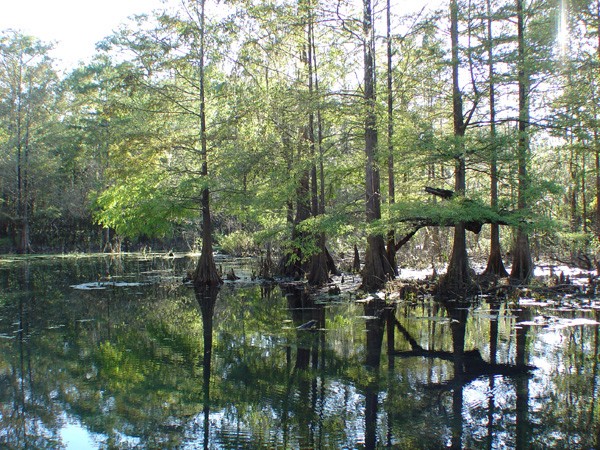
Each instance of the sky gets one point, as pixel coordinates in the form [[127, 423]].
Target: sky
[[73, 25]]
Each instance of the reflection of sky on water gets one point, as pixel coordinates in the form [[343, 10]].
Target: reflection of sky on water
[[75, 437]]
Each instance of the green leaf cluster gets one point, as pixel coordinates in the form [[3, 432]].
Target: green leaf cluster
[[140, 206]]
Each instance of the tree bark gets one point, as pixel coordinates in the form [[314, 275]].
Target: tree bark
[[356, 260], [495, 265], [21, 127], [457, 278], [597, 168], [318, 274], [309, 202], [206, 271], [377, 268], [293, 263], [596, 132], [522, 267], [391, 235]]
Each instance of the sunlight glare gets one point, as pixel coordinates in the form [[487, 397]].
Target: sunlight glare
[[563, 28]]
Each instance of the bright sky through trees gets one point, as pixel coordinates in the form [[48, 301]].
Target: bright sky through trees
[[563, 27], [73, 25]]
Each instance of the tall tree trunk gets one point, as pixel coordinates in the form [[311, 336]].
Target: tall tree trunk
[[319, 269], [596, 131], [295, 263], [22, 228], [522, 267], [584, 212], [206, 271], [495, 265], [391, 236], [289, 161], [377, 268], [457, 277], [22, 201], [314, 189], [597, 168], [318, 273], [573, 190], [292, 263]]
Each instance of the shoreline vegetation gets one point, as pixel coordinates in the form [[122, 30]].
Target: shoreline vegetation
[[557, 284]]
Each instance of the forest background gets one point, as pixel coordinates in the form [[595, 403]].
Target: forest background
[[314, 128]]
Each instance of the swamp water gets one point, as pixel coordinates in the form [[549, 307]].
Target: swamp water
[[101, 352]]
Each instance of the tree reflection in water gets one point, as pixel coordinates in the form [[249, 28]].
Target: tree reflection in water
[[458, 325], [493, 345], [121, 367], [523, 428], [307, 372], [207, 299], [376, 314], [468, 365]]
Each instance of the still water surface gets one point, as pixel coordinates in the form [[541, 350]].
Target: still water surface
[[102, 352]]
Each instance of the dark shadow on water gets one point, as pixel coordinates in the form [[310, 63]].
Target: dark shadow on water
[[309, 320], [307, 371], [377, 313], [207, 299], [523, 426], [468, 365]]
